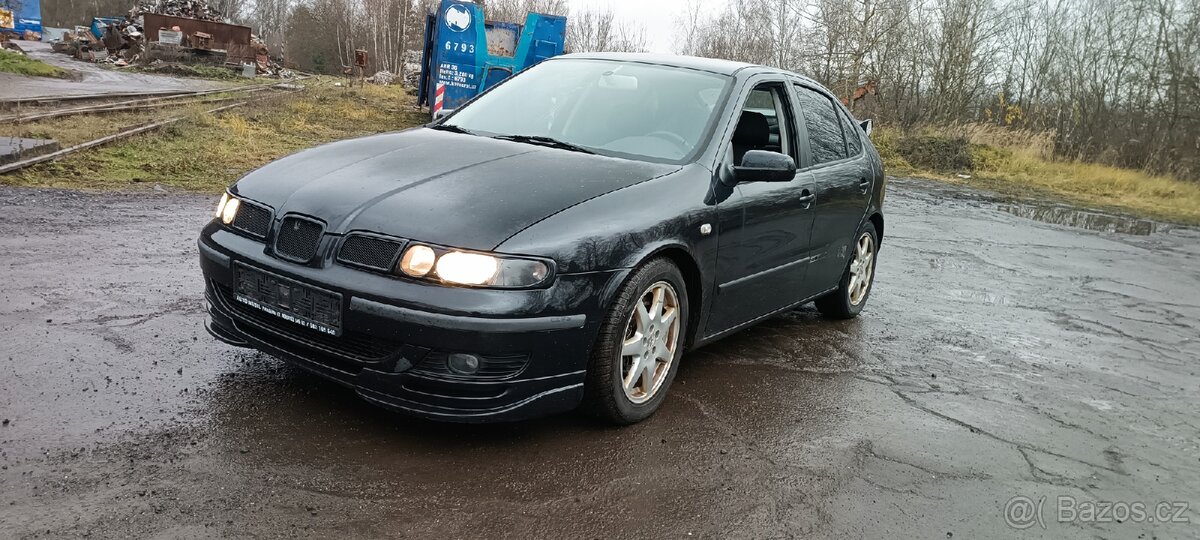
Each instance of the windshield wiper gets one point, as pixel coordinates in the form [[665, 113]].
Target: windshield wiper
[[540, 140], [451, 128]]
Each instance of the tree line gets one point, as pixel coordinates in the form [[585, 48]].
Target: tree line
[[1113, 81]]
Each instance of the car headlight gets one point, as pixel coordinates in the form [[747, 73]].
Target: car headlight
[[473, 269], [221, 204], [227, 208]]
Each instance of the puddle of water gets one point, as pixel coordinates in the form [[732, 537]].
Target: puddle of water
[[985, 297], [1083, 219]]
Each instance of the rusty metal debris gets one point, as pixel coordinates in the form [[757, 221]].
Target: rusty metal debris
[[171, 31]]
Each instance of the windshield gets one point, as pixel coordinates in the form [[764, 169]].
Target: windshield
[[659, 113]]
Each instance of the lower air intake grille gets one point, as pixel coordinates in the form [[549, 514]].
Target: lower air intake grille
[[298, 239], [370, 251], [252, 219]]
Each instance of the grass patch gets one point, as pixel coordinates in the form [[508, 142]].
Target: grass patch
[[11, 62], [207, 152], [1019, 163], [198, 71]]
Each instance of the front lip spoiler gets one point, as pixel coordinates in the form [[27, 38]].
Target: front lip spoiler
[[563, 398], [224, 335], [461, 322]]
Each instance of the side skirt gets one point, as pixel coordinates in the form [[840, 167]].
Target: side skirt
[[724, 333]]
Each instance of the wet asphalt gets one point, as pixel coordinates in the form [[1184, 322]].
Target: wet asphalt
[[1001, 358], [89, 79]]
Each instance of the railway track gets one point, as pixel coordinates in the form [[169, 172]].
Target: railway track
[[141, 102], [135, 104]]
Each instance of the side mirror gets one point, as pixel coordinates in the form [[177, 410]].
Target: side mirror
[[765, 166], [867, 126]]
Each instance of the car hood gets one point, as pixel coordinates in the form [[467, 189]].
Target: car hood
[[438, 187]]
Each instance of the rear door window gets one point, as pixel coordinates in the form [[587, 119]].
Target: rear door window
[[825, 139]]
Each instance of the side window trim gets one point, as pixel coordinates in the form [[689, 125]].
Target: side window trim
[[801, 139], [848, 123], [779, 101]]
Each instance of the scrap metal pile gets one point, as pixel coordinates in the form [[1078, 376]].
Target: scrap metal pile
[[123, 41], [119, 44], [191, 9]]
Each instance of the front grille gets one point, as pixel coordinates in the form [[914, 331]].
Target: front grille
[[252, 219], [492, 367], [370, 251], [298, 239], [357, 346]]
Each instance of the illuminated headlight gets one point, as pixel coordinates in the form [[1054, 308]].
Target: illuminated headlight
[[227, 208], [230, 211], [467, 268], [473, 269], [418, 261], [221, 204]]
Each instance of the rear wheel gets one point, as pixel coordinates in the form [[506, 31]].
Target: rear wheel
[[851, 295], [641, 340]]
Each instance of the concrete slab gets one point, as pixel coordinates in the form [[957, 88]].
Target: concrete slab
[[16, 148]]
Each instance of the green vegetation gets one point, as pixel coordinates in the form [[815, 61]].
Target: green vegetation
[[11, 62], [199, 71], [207, 152], [1020, 163]]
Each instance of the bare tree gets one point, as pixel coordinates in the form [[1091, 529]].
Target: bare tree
[[589, 31]]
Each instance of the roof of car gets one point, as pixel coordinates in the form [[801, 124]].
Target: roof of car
[[715, 65]]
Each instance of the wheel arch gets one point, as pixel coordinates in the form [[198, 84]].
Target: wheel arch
[[692, 281], [877, 220]]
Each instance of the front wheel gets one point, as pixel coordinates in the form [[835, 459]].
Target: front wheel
[[851, 295], [641, 340]]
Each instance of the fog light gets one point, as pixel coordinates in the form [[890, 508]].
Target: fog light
[[462, 364]]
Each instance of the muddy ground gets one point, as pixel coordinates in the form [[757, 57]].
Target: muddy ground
[[999, 357]]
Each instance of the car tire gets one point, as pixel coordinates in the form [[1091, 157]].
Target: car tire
[[607, 392], [851, 295]]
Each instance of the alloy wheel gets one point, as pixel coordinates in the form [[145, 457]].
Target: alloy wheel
[[862, 268], [651, 339]]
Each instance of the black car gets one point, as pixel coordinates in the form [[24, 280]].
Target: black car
[[557, 242]]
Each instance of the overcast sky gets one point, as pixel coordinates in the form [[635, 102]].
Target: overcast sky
[[659, 17]]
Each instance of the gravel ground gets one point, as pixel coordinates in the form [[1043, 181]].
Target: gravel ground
[[1001, 359]]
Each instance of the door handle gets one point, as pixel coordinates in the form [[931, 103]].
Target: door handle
[[864, 185], [806, 198]]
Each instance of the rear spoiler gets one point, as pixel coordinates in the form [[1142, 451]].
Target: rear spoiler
[[866, 125]]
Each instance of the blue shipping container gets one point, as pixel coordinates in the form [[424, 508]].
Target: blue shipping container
[[464, 54], [27, 15]]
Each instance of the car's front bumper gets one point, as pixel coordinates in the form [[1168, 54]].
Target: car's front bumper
[[397, 334]]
